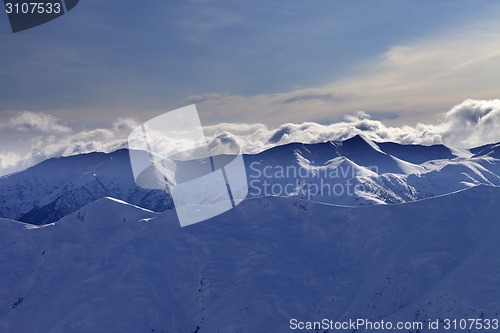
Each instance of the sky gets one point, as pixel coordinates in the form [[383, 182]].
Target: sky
[[83, 81]]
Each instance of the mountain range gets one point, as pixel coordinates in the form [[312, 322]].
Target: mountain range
[[417, 240], [355, 172]]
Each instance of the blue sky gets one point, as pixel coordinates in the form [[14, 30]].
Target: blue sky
[[129, 57], [269, 62]]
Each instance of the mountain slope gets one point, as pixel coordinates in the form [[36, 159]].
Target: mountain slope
[[115, 267], [60, 186]]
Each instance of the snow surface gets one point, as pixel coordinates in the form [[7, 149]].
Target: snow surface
[[114, 267], [58, 187]]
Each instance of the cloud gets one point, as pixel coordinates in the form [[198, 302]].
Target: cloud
[[310, 132], [26, 121], [468, 124], [8, 160], [414, 79], [473, 123], [307, 95], [65, 142], [100, 139]]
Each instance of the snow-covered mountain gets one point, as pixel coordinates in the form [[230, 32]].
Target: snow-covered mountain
[[420, 241], [115, 267], [355, 172], [360, 172], [60, 186]]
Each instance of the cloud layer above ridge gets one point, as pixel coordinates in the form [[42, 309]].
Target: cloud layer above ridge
[[469, 124]]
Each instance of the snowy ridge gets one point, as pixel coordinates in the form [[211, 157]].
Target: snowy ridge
[[115, 267], [359, 172], [355, 172], [58, 187]]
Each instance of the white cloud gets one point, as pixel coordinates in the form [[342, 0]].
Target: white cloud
[[36, 121], [101, 139], [469, 124], [66, 142], [309, 132], [8, 160], [473, 123]]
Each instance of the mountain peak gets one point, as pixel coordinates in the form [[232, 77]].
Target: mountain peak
[[360, 139]]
